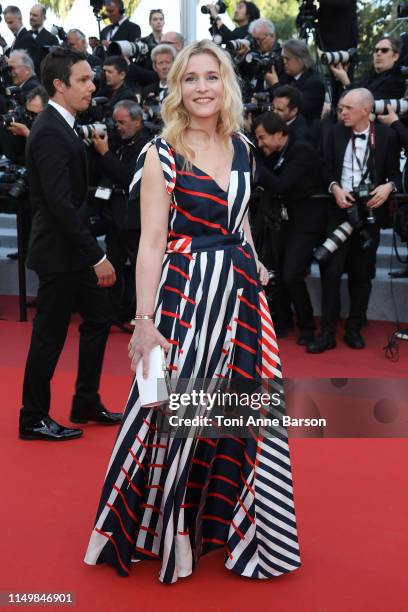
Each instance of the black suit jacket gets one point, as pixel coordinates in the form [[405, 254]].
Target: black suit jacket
[[126, 31], [311, 85], [46, 39], [119, 167], [296, 178], [383, 162], [388, 84], [29, 85], [299, 128], [24, 41], [60, 238]]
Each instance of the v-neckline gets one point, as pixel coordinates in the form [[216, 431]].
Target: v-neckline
[[230, 172]]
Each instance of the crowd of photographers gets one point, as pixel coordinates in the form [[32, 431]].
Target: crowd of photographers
[[316, 129]]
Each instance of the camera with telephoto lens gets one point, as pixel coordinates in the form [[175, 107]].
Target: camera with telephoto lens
[[402, 10], [261, 63], [137, 50], [337, 57], [60, 32], [398, 106], [13, 182], [152, 119], [263, 103], [220, 7], [358, 216], [234, 46]]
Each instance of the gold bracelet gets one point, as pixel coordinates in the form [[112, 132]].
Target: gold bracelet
[[139, 317]]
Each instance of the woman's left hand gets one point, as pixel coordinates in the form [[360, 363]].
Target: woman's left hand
[[262, 273]]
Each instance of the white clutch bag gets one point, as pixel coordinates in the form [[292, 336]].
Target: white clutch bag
[[155, 389]]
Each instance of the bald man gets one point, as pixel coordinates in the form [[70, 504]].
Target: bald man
[[43, 37], [357, 153]]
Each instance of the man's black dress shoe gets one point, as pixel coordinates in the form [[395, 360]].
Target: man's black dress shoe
[[97, 415], [306, 337], [13, 256], [354, 339], [48, 429], [322, 343]]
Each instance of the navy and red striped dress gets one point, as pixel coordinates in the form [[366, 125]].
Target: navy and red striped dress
[[175, 499]]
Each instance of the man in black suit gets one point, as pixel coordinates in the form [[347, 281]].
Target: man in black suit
[[286, 103], [22, 72], [384, 80], [357, 153], [291, 169], [23, 39], [72, 269], [299, 72], [116, 164], [76, 40], [121, 28], [42, 37], [115, 69], [162, 59]]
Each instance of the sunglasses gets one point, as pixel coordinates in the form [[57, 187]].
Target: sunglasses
[[383, 50]]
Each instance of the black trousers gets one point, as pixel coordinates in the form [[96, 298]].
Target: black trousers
[[58, 296], [299, 248], [121, 249], [359, 263]]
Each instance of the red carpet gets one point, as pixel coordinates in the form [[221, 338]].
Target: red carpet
[[351, 498]]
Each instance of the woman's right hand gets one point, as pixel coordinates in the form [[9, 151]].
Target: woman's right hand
[[145, 337]]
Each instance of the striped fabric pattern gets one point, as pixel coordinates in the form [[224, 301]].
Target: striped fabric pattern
[[176, 499]]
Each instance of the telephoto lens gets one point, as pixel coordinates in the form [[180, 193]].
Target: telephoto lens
[[337, 57], [398, 106]]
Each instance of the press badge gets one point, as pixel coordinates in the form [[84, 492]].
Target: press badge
[[103, 193]]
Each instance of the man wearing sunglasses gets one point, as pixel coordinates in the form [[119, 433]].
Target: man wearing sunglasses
[[385, 79]]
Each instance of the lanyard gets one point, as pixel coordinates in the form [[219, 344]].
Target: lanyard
[[362, 166]]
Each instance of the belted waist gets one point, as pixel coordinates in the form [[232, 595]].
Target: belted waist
[[195, 244]]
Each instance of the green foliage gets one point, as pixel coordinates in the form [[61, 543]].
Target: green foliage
[[281, 12], [376, 18], [62, 7]]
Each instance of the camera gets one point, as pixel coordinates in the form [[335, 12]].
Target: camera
[[13, 183], [137, 50], [234, 46], [358, 215], [398, 106], [307, 18], [337, 57], [59, 31], [220, 7], [152, 117], [263, 103], [261, 62]]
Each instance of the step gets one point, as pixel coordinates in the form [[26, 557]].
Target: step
[[8, 238], [9, 276]]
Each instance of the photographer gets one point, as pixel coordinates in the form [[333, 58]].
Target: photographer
[[385, 79], [260, 76], [300, 73], [362, 170], [120, 28], [76, 40], [245, 13], [42, 37], [286, 103], [115, 69], [162, 59], [122, 221], [22, 71], [291, 169], [36, 102], [175, 39], [156, 22]]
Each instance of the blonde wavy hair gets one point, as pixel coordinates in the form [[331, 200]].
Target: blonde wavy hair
[[175, 116]]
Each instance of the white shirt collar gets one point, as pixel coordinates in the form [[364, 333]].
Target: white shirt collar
[[70, 119], [366, 131], [297, 76]]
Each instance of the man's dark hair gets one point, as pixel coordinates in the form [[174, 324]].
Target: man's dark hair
[[271, 123], [118, 62], [38, 91], [396, 43], [252, 11], [12, 10], [293, 95], [57, 64]]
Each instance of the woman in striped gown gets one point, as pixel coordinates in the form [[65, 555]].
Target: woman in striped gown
[[173, 498]]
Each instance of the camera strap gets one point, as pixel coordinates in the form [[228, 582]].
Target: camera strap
[[362, 165]]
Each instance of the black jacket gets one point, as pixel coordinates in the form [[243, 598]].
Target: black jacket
[[227, 34], [24, 41], [46, 39], [60, 238], [388, 84], [119, 168], [338, 27], [295, 174], [30, 84], [299, 128], [383, 162], [126, 31], [311, 85]]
